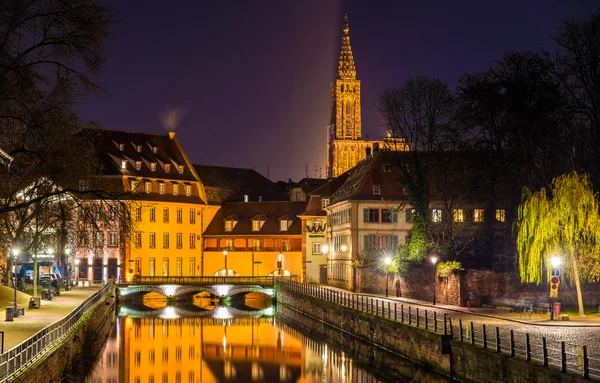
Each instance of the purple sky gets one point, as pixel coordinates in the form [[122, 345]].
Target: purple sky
[[252, 78]]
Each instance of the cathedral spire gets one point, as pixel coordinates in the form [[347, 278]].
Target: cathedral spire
[[346, 68]]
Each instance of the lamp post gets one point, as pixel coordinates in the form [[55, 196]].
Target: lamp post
[[554, 282], [433, 261], [388, 261], [14, 277], [77, 271], [225, 254]]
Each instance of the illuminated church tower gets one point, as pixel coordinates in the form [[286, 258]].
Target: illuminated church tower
[[345, 144]]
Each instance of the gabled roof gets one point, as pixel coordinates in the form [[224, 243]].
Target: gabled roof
[[309, 184], [247, 211]]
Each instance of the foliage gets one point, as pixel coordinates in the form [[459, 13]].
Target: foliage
[[445, 269], [563, 220]]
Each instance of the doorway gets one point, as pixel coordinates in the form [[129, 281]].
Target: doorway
[[323, 274]]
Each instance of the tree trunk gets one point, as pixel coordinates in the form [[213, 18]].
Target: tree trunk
[[578, 286]]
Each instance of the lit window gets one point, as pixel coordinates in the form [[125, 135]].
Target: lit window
[[167, 168], [192, 216], [285, 245], [148, 186], [98, 239], [112, 238], [83, 185], [165, 214], [153, 166], [155, 149], [324, 203], [500, 215], [179, 215], [139, 148], [316, 248], [161, 188], [138, 239], [376, 189], [152, 214], [229, 244], [152, 240], [179, 240], [123, 164], [436, 215], [133, 184], [386, 216], [192, 241], [478, 215], [138, 165], [175, 189], [188, 190], [180, 169], [298, 196], [255, 225], [256, 244], [283, 225], [458, 215], [121, 147], [228, 225], [138, 213], [166, 240], [371, 215]]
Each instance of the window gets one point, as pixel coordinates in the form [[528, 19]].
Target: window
[[371, 215], [178, 273], [436, 215], [165, 214], [188, 190], [387, 168], [148, 186], [138, 213], [165, 240], [83, 185], [112, 214], [152, 240], [152, 273], [121, 147], [256, 245], [179, 240], [409, 215], [138, 165], [376, 189], [229, 244], [192, 216], [138, 239], [316, 248], [380, 242], [133, 185], [297, 196], [98, 239], [152, 214], [386, 216], [324, 203], [192, 267], [283, 225], [228, 225], [285, 245], [165, 273], [138, 265], [167, 168], [123, 164], [175, 189], [500, 215], [161, 188], [458, 215], [179, 215], [155, 149], [139, 148], [153, 166], [192, 241], [477, 215], [112, 238], [255, 225], [180, 169]]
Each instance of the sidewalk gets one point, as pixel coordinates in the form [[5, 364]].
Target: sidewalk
[[499, 314], [36, 319]]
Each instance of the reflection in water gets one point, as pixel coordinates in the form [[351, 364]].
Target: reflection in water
[[218, 344]]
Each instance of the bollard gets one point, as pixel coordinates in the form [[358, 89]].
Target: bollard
[[484, 336], [396, 311], [497, 339], [460, 330], [409, 316], [586, 363], [512, 343], [545, 350], [435, 321], [472, 333], [417, 317], [426, 324], [527, 348], [402, 312], [563, 356]]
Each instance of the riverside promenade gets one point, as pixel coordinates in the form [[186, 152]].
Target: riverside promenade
[[35, 320]]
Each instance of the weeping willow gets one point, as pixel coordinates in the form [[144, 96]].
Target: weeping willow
[[562, 221]]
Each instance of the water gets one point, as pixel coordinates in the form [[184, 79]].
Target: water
[[203, 342]]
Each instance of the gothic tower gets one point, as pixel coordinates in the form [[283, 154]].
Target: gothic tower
[[345, 144]]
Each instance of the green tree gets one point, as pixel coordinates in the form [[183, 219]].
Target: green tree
[[562, 220]]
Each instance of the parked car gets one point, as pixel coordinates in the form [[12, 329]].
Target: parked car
[[47, 278]]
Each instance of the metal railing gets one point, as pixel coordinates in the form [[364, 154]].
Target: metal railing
[[196, 281], [21, 356], [566, 357]]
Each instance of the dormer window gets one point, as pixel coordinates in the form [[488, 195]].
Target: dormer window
[[255, 225], [188, 190], [123, 164], [138, 165], [175, 189], [324, 203], [376, 189], [228, 225], [283, 225], [153, 166], [133, 184], [167, 168], [161, 188], [121, 147], [139, 148], [180, 169], [148, 187], [155, 149]]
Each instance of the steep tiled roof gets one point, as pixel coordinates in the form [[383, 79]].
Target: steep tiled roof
[[244, 212]]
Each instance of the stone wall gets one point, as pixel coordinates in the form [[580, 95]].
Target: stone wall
[[462, 361], [481, 287], [76, 355]]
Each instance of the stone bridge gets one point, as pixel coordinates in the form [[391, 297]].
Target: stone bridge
[[171, 312], [181, 287]]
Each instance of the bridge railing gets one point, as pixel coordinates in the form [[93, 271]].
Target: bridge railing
[[230, 280], [572, 358], [24, 354]]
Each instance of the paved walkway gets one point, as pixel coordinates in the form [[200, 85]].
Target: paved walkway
[[34, 320]]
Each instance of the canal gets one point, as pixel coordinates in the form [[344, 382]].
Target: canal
[[203, 342]]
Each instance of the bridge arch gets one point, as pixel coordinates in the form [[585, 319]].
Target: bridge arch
[[226, 273], [280, 273]]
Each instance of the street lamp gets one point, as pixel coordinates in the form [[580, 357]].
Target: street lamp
[[388, 261], [225, 254], [14, 277], [433, 261], [555, 261]]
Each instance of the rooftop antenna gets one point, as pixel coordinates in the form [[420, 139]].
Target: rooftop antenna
[[306, 170]]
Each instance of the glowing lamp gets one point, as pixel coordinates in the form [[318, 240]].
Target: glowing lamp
[[555, 261], [434, 260], [344, 247], [388, 260]]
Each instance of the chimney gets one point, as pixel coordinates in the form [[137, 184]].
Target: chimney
[[368, 152], [259, 198], [171, 135], [245, 197]]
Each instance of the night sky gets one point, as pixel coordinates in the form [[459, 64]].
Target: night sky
[[250, 80]]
